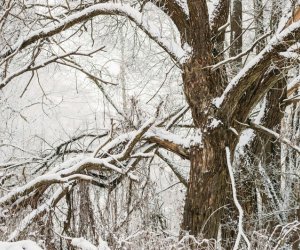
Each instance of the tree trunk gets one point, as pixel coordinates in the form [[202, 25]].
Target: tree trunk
[[264, 152], [259, 23], [236, 32], [208, 192]]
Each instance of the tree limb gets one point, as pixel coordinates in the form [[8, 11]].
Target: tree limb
[[173, 49], [174, 168], [229, 102], [179, 17], [273, 134]]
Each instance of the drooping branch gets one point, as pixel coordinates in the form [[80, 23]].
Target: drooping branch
[[46, 206], [110, 162], [173, 49], [73, 172], [48, 157], [47, 180]]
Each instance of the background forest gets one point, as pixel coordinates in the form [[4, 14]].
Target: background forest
[[150, 124]]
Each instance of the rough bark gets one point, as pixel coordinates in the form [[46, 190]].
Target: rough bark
[[208, 192], [208, 188], [86, 217], [178, 16], [207, 203]]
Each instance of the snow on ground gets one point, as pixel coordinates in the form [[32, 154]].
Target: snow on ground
[[86, 245], [19, 245], [83, 244]]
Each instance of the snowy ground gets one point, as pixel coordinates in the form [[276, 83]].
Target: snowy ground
[[19, 245], [80, 243]]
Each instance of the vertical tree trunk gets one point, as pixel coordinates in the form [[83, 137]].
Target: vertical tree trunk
[[263, 151], [264, 154], [276, 12], [208, 193], [208, 189], [259, 23], [236, 37], [86, 218]]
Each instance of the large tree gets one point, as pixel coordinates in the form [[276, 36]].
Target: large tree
[[221, 92]]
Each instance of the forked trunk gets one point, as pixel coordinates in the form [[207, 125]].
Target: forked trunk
[[208, 188], [208, 194]]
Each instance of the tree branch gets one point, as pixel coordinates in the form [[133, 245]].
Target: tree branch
[[241, 232], [174, 168], [230, 100], [173, 49], [177, 14], [218, 19], [272, 134]]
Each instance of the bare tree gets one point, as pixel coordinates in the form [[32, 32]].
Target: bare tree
[[221, 105]]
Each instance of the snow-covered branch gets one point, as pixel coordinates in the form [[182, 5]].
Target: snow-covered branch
[[173, 167], [110, 162], [169, 141], [241, 232], [228, 102], [45, 180], [219, 15], [246, 52], [177, 11], [32, 67], [29, 219], [161, 137], [273, 134], [171, 47]]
